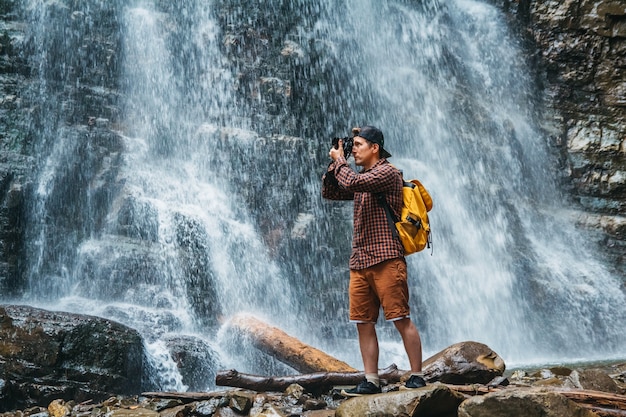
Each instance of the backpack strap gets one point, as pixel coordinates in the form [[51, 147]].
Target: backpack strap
[[390, 219]]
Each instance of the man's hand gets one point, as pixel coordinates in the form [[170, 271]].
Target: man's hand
[[336, 153]]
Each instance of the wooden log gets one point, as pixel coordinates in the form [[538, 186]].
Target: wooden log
[[314, 382], [599, 398], [287, 349], [602, 403]]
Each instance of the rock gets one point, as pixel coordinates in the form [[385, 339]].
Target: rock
[[242, 401], [294, 390], [195, 359], [208, 407], [464, 362], [498, 381], [437, 399], [226, 412], [59, 408], [561, 370], [522, 403], [270, 411], [314, 404], [178, 411], [551, 381], [135, 412], [167, 403], [320, 413], [592, 379], [46, 356]]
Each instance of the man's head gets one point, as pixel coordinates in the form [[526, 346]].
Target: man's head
[[374, 135], [368, 146]]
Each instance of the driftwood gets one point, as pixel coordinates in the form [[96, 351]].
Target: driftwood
[[318, 381], [287, 349], [602, 403]]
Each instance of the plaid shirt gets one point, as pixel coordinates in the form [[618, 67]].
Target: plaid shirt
[[372, 241]]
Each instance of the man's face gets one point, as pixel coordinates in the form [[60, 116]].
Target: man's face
[[365, 153]]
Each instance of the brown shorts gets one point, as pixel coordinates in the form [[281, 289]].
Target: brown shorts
[[384, 284]]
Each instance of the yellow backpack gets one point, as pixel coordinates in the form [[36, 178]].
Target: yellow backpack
[[413, 227]]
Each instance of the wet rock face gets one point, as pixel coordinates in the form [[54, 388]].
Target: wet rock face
[[48, 355], [88, 100], [14, 165], [578, 50]]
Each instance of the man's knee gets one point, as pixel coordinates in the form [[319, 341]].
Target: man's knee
[[405, 325], [366, 328]]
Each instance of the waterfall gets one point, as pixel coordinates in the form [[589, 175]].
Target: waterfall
[[192, 194]]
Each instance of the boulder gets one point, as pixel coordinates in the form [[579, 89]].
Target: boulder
[[45, 356], [464, 362], [434, 400], [592, 379], [195, 359], [522, 403]]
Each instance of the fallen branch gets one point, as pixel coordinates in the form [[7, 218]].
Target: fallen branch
[[319, 381], [600, 398]]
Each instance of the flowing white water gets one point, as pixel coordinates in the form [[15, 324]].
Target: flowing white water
[[181, 246], [165, 370]]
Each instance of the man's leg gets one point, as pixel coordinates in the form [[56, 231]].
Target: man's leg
[[364, 308], [412, 342], [368, 342]]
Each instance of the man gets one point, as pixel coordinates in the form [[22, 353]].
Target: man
[[378, 274]]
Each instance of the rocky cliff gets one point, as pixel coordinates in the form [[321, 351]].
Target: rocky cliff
[[577, 49]]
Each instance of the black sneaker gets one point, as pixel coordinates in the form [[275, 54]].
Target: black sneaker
[[364, 388], [415, 381]]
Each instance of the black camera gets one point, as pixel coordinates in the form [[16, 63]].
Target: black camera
[[348, 142]]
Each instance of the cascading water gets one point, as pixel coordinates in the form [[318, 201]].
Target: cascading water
[[202, 200]]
